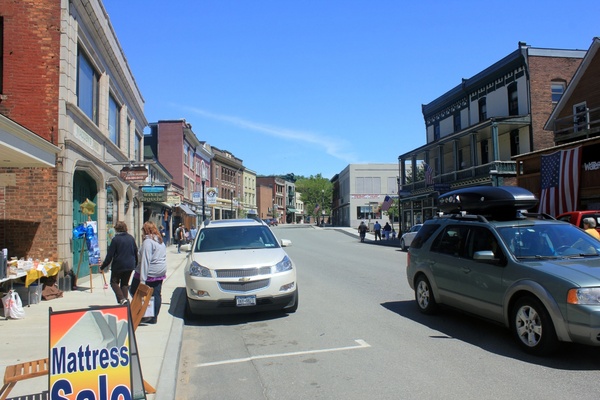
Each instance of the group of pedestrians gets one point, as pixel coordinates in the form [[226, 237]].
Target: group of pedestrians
[[148, 264], [184, 235], [388, 231]]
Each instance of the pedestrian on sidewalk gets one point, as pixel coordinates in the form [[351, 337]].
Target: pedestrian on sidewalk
[[377, 228], [362, 230], [180, 237], [152, 269], [387, 229], [122, 256]]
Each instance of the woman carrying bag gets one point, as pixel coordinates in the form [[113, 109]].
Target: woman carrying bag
[[152, 268]]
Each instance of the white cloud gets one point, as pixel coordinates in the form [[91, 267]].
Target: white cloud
[[333, 146]]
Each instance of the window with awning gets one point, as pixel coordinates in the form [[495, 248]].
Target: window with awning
[[186, 210]]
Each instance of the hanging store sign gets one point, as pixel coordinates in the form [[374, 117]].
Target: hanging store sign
[[152, 194], [196, 197], [134, 173], [172, 200], [211, 195]]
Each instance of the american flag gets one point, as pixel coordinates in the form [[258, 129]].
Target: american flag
[[428, 174], [560, 181], [387, 203], [316, 209]]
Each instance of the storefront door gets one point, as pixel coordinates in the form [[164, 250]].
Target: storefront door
[[84, 187]]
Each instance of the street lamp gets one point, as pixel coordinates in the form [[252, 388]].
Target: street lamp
[[399, 197], [203, 199]]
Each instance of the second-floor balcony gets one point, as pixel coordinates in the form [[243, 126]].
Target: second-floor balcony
[[578, 126], [481, 174]]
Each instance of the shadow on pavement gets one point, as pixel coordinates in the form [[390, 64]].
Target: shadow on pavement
[[494, 338]]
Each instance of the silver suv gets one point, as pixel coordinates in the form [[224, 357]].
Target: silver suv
[[537, 276]]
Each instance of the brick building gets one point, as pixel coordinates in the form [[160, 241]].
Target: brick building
[[68, 92], [474, 131], [227, 173], [176, 147], [271, 197], [574, 124]]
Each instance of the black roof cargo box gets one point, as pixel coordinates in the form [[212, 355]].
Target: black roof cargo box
[[487, 200]]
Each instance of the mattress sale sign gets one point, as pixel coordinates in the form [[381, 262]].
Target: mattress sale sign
[[90, 354]]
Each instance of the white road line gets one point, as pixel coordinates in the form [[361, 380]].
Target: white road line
[[361, 345]]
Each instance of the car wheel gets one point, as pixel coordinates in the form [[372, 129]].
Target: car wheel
[[532, 327], [402, 245], [424, 296]]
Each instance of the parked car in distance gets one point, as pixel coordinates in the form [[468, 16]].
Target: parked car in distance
[[537, 276], [576, 217], [408, 237], [237, 266]]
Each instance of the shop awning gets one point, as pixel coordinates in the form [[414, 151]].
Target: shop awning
[[20, 147], [291, 210], [186, 210]]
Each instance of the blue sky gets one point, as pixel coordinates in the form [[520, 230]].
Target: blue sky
[[310, 86]]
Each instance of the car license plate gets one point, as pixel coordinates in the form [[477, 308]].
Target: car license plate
[[244, 301]]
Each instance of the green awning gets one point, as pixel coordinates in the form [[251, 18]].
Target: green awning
[[291, 210]]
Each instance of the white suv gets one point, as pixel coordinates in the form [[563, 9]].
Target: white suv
[[239, 266]]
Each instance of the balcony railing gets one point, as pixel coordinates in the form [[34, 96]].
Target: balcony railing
[[577, 126], [479, 172]]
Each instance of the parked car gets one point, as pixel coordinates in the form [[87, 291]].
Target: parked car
[[239, 266], [576, 217], [535, 275], [408, 237]]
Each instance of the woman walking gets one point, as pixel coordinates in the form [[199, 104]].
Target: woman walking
[[122, 255], [152, 269]]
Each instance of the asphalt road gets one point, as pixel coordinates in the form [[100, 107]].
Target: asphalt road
[[358, 335]]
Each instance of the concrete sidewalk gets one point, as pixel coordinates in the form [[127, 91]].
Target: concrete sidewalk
[[158, 345], [369, 238]]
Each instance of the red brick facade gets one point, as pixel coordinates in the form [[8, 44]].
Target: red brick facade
[[544, 70], [30, 89]]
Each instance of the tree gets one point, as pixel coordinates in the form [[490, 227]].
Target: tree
[[420, 174], [393, 212], [315, 190]]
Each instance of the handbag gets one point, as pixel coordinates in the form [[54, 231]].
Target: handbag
[[150, 309]]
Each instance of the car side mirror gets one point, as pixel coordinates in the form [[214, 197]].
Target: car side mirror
[[286, 242], [484, 255]]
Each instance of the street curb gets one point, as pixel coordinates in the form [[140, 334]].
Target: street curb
[[167, 382]]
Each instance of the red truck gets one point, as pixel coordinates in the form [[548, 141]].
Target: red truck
[[576, 217]]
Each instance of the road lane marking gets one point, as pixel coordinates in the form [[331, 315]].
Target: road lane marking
[[361, 345]]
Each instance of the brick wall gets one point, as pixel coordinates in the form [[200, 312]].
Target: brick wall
[[28, 217], [542, 71], [170, 148], [31, 61]]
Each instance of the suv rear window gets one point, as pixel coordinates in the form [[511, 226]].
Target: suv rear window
[[423, 235]]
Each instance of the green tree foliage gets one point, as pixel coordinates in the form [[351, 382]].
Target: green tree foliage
[[315, 190], [420, 174], [393, 212]]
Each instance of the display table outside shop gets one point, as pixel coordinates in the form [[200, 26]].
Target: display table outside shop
[[49, 268]]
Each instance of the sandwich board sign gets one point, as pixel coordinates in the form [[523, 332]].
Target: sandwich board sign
[[93, 355]]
